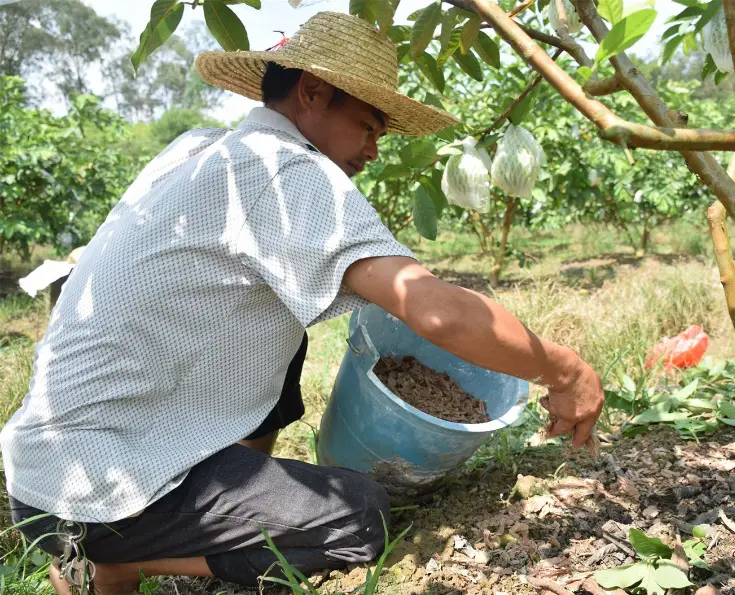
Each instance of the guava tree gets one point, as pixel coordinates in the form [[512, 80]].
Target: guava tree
[[455, 31], [59, 176]]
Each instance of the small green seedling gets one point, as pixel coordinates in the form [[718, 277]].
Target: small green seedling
[[656, 572]]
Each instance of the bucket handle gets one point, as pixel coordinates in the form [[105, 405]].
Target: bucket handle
[[360, 344]]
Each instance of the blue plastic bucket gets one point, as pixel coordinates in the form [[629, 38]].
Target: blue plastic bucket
[[367, 428]]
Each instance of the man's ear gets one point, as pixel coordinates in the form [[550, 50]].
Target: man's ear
[[314, 93]]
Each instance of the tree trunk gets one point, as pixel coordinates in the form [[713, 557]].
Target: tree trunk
[[476, 222], [510, 209], [645, 238], [717, 217]]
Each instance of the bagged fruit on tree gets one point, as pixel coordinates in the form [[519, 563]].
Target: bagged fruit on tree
[[683, 351], [517, 162], [466, 179], [716, 41], [574, 24]]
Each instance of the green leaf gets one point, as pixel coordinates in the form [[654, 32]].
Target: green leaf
[[670, 47], [669, 576], [648, 547], [449, 20], [673, 30], [649, 581], [394, 170], [724, 420], [611, 10], [470, 64], [625, 33], [629, 384], [488, 49], [254, 3], [700, 405], [719, 77], [520, 111], [424, 213], [433, 187], [385, 10], [470, 32], [727, 408], [399, 33], [621, 577], [585, 72], [431, 99], [451, 47], [427, 66], [165, 17], [690, 12], [712, 9], [423, 30], [709, 66], [402, 51], [657, 415], [418, 154], [699, 531], [686, 392], [225, 26]]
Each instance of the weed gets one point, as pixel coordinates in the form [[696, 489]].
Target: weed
[[299, 583], [661, 567]]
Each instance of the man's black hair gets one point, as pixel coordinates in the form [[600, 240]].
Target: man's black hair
[[278, 82]]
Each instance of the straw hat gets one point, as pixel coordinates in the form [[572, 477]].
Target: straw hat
[[342, 50]]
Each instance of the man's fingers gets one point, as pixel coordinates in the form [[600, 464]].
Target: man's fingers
[[560, 427], [582, 432]]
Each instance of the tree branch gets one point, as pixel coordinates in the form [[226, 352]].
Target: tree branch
[[703, 165], [612, 127], [509, 110], [606, 86], [551, 40], [729, 7]]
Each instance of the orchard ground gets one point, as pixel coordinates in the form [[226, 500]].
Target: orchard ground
[[569, 514]]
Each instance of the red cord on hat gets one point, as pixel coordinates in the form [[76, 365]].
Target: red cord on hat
[[280, 44]]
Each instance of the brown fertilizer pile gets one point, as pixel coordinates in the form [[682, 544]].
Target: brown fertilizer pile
[[431, 392]]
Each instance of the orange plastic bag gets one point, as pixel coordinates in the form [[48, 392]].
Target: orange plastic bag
[[683, 351]]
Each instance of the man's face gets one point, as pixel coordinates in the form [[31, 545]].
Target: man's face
[[346, 131]]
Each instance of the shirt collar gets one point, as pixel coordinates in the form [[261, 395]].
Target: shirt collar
[[271, 118]]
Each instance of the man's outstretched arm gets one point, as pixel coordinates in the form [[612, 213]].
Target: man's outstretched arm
[[484, 333]]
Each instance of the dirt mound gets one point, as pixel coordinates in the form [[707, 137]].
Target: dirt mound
[[429, 391]]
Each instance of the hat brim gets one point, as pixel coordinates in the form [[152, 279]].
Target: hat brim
[[242, 73]]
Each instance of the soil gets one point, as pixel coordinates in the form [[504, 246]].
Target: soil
[[429, 391], [554, 518]]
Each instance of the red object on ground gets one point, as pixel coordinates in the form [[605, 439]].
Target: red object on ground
[[683, 351]]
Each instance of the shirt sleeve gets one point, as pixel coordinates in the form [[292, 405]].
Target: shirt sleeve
[[307, 226]]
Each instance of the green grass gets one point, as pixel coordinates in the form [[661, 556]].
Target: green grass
[[610, 309]]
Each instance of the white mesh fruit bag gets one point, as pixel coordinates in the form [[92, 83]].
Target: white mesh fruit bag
[[466, 179], [574, 24], [517, 162], [717, 43]]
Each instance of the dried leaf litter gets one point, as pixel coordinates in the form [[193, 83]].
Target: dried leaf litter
[[429, 391]]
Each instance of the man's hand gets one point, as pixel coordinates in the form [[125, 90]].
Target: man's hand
[[576, 406]]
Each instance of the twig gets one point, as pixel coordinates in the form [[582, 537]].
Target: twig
[[541, 36], [520, 8], [615, 541], [606, 86], [717, 219], [548, 585], [525, 93]]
